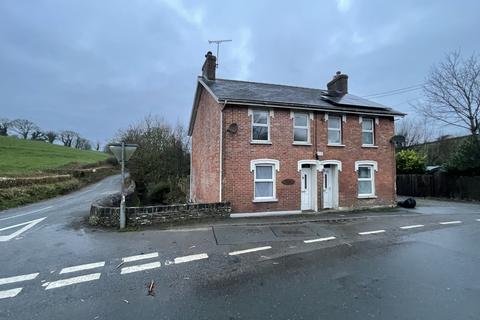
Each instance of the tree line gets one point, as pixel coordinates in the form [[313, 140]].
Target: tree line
[[28, 130]]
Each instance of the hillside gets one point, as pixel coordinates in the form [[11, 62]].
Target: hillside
[[26, 157]]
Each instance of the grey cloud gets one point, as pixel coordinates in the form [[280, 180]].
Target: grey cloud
[[96, 66]]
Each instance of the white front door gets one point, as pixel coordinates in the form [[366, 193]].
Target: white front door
[[328, 187], [306, 189]]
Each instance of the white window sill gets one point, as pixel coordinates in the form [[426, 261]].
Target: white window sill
[[260, 142], [264, 200], [335, 145], [298, 143], [368, 146], [366, 196]]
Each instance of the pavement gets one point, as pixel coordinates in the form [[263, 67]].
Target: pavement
[[395, 264]]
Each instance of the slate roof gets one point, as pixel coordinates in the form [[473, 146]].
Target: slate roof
[[255, 93]]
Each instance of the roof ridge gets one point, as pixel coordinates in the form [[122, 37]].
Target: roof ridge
[[275, 84]]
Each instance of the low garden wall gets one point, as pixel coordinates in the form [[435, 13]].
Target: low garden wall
[[108, 216]]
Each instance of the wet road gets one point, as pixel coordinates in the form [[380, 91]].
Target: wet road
[[422, 264]]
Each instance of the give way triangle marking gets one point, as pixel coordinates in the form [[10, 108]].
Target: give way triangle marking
[[28, 225]]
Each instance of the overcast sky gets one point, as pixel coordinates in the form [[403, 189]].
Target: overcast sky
[[96, 66]]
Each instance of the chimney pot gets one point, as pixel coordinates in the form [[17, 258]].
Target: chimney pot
[[209, 66]]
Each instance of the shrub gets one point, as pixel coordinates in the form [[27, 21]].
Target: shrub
[[410, 161], [112, 161], [157, 193], [466, 160]]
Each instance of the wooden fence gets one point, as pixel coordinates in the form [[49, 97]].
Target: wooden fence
[[439, 184]]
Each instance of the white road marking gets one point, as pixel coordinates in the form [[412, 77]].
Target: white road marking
[[319, 239], [478, 219], [28, 225], [14, 279], [412, 226], [26, 213], [451, 222], [141, 267], [10, 293], [371, 232], [83, 267], [192, 257], [74, 280], [140, 257], [235, 253]]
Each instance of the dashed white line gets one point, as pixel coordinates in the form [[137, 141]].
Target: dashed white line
[[83, 267], [371, 232], [74, 280], [192, 257], [412, 226], [141, 267], [26, 213], [451, 222], [478, 220], [319, 239], [10, 293], [140, 257], [235, 253], [24, 277]]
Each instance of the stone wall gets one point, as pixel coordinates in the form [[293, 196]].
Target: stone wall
[[143, 216]]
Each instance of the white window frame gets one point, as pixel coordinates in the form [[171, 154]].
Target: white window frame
[[372, 166], [251, 113], [309, 117], [340, 119], [275, 164], [372, 131]]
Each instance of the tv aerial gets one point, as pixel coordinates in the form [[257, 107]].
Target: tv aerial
[[218, 42]]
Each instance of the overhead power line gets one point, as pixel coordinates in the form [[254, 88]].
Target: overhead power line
[[394, 92]]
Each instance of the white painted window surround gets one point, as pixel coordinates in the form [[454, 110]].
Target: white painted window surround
[[260, 125], [264, 179], [366, 178], [334, 130], [301, 127], [368, 132]]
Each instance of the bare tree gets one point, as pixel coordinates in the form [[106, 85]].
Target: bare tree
[[4, 125], [23, 127], [51, 136], [452, 92], [161, 161], [415, 131], [38, 135], [67, 137], [82, 143]]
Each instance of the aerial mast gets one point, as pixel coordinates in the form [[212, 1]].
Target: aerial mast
[[218, 42]]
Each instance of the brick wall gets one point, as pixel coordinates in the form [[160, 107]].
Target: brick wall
[[205, 166], [238, 152]]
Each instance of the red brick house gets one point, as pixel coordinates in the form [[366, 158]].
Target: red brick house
[[268, 147]]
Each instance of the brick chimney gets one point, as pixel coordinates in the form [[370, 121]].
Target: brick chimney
[[209, 66], [339, 84]]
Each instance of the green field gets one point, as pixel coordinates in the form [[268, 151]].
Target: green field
[[26, 157]]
